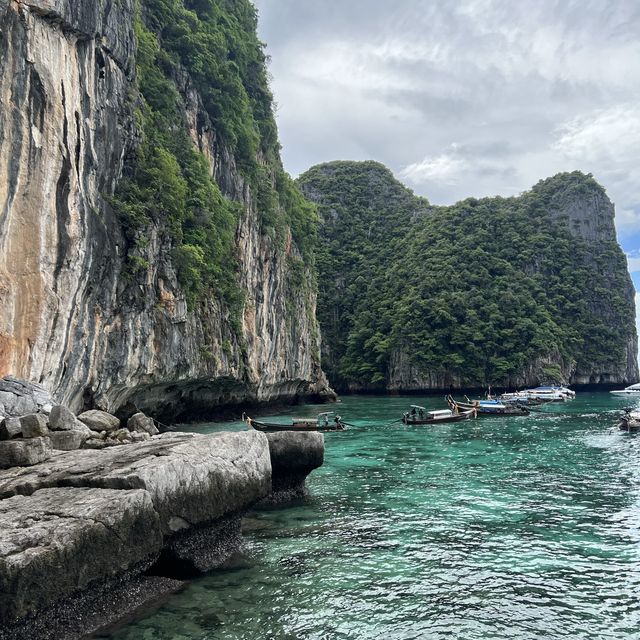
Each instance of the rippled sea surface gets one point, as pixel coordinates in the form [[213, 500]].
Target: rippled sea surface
[[525, 527]]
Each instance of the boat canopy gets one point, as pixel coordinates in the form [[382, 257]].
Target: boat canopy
[[417, 406]]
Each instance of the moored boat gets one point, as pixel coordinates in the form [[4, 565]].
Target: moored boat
[[630, 421], [419, 415], [633, 390], [539, 395], [519, 398], [327, 421], [488, 407]]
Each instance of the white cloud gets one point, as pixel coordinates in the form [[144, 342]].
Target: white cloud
[[525, 89], [446, 168], [606, 134], [606, 142], [633, 260]]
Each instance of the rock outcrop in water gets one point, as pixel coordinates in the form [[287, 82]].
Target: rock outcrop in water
[[87, 536], [74, 316], [496, 291]]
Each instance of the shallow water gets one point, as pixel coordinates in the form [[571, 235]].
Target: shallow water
[[525, 527]]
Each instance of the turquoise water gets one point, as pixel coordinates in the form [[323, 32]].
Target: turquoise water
[[524, 527]]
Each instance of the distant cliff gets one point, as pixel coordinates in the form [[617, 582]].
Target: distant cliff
[[501, 291], [151, 246]]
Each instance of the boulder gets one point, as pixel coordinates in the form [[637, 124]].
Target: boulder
[[62, 418], [99, 420], [143, 424], [293, 457], [21, 452], [137, 436], [67, 440], [34, 425], [59, 541], [295, 453], [10, 428], [123, 435]]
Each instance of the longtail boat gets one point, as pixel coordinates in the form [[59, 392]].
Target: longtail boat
[[488, 407], [327, 421], [419, 415]]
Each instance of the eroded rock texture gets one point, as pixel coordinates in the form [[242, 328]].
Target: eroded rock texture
[[97, 519], [68, 316]]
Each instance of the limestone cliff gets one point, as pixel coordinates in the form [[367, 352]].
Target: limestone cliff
[[500, 291], [73, 317]]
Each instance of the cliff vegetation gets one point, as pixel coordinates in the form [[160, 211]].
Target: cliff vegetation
[[214, 46]]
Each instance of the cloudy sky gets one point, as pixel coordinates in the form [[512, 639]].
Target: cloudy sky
[[464, 97]]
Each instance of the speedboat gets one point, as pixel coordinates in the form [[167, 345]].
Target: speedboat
[[633, 390], [552, 392], [543, 394]]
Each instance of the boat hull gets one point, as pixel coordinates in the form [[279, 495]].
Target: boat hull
[[488, 410], [459, 417], [299, 426]]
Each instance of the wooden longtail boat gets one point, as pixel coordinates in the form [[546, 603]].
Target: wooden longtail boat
[[419, 415], [488, 407], [326, 421]]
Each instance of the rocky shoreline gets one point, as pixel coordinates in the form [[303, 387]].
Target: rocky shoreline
[[90, 535]]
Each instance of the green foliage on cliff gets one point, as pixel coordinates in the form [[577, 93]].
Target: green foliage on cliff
[[478, 291], [212, 47]]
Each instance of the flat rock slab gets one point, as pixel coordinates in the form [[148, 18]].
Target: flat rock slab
[[57, 541], [196, 478]]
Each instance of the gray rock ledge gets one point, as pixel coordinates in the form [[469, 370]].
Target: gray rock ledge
[[88, 526]]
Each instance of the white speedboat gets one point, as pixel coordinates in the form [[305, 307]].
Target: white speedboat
[[541, 394], [633, 390], [552, 391]]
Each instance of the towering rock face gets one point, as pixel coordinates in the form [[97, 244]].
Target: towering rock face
[[499, 291], [73, 317]]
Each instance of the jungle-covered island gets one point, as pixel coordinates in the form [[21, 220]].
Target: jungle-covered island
[[498, 291]]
